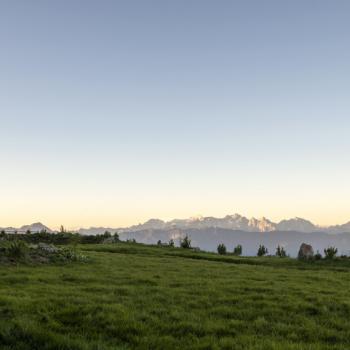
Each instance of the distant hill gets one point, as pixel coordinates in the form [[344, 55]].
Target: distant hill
[[36, 227]]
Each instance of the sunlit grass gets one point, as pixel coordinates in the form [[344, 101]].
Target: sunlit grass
[[130, 296]]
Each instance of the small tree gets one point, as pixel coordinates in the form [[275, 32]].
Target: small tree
[[262, 250], [159, 242], [280, 252], [237, 250], [318, 256], [62, 229], [116, 237], [330, 252], [185, 242], [171, 243], [221, 249], [107, 234]]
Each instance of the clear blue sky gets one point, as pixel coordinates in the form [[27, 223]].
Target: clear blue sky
[[112, 112]]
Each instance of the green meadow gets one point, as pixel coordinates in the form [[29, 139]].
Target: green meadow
[[131, 296]]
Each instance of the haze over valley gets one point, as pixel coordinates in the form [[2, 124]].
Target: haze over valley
[[207, 232]]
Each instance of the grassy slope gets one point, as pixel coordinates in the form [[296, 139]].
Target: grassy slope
[[131, 296]]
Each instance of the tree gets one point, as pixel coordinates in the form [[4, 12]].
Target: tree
[[159, 242], [318, 256], [171, 243], [237, 250], [330, 252], [185, 242], [281, 252], [262, 250], [116, 237], [62, 229], [107, 234], [221, 249]]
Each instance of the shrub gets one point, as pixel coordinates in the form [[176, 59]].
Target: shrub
[[65, 255], [262, 250], [330, 252], [318, 256], [159, 242], [185, 242], [171, 243], [17, 250], [221, 249], [237, 250], [281, 252]]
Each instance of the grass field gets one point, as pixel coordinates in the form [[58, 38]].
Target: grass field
[[129, 296]]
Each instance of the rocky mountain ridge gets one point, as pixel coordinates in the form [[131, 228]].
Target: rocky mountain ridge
[[229, 222]]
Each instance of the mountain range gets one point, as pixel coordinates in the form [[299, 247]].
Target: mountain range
[[207, 232], [229, 222]]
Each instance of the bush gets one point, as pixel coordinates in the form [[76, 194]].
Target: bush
[[66, 255], [221, 249], [17, 250], [185, 242], [281, 252], [159, 243], [330, 252], [237, 250], [318, 256], [262, 250], [171, 243]]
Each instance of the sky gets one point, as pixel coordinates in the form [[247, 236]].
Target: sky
[[114, 112]]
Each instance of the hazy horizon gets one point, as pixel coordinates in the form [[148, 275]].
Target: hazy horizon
[[115, 112], [195, 217]]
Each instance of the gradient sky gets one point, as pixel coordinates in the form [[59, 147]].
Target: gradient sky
[[113, 112]]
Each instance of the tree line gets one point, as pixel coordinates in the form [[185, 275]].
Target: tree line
[[185, 242], [59, 238], [64, 238]]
